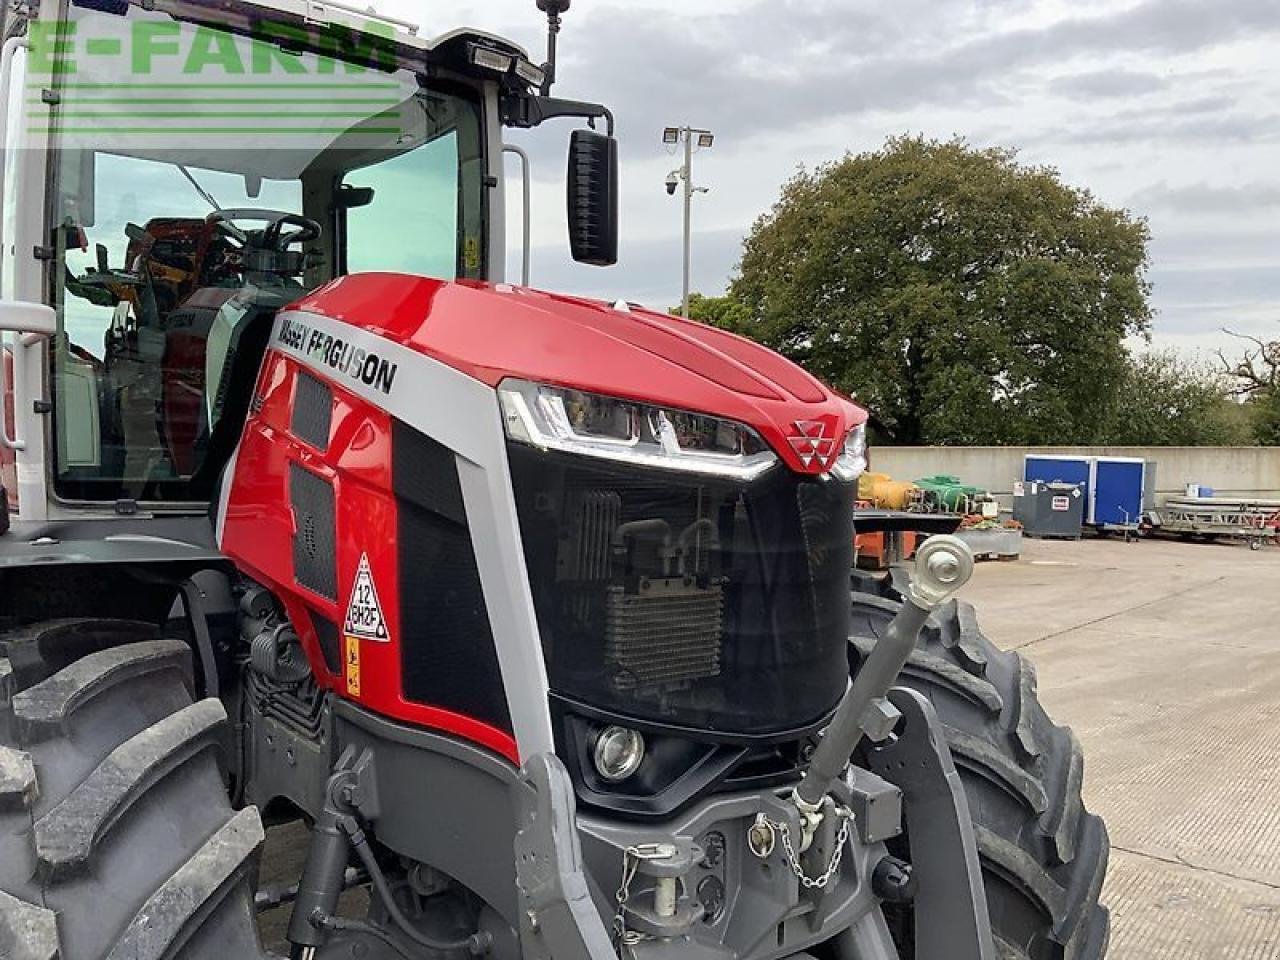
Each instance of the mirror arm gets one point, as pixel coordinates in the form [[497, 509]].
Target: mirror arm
[[527, 112]]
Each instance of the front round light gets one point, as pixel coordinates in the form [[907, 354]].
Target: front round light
[[618, 753]]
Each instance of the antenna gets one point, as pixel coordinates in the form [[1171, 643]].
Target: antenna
[[553, 9]]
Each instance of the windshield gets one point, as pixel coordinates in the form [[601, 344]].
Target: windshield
[[203, 180]]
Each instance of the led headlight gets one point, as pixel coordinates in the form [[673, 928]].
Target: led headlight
[[570, 421], [618, 753], [852, 461]]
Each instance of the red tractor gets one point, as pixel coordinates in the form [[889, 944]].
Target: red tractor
[[534, 612]]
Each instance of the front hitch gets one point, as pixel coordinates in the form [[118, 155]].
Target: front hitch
[[943, 565]]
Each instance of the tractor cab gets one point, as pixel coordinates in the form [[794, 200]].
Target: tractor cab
[[173, 176]]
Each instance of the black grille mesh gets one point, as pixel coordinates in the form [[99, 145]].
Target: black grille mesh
[[312, 411], [447, 648], [314, 542]]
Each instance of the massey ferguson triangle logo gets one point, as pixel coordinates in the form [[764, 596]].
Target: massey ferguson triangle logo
[[811, 443]]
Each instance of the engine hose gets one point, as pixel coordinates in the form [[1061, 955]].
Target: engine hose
[[477, 944], [339, 924]]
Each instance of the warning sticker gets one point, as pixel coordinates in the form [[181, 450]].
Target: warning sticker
[[1061, 503], [364, 612], [352, 670]]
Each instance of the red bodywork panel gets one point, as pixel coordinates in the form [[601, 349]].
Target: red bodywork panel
[[489, 333], [493, 332]]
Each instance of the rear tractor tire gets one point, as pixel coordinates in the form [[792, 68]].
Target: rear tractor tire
[[1044, 856], [117, 840]]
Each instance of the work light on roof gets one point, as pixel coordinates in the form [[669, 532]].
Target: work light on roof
[[491, 59], [531, 74]]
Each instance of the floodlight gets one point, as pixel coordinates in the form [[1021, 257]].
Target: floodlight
[[706, 139], [671, 135], [491, 59]]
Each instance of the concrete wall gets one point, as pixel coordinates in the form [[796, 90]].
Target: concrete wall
[[1231, 471]]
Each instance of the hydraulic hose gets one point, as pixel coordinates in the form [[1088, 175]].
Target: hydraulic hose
[[477, 944], [339, 924]]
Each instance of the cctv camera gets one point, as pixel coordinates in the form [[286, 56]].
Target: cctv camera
[[672, 183]]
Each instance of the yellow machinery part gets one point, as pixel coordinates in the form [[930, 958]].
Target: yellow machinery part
[[885, 492]]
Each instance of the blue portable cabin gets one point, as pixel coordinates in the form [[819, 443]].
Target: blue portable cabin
[[1122, 491], [1117, 490]]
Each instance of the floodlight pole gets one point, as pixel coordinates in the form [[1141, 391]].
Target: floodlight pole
[[686, 174], [688, 217]]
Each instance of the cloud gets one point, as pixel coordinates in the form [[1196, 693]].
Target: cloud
[[1217, 290], [1204, 198], [775, 66], [1107, 83], [1169, 125]]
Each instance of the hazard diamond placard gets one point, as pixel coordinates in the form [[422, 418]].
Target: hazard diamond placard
[[364, 611]]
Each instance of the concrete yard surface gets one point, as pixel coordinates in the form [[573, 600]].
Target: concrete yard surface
[[1164, 657]]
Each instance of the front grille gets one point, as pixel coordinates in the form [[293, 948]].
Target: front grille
[[693, 601], [670, 632]]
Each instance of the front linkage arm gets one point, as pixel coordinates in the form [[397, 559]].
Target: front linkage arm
[[950, 906]]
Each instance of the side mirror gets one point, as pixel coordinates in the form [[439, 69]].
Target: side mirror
[[593, 198], [349, 198]]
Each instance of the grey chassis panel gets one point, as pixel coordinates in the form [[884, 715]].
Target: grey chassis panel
[[133, 541], [440, 801], [952, 920], [562, 904]]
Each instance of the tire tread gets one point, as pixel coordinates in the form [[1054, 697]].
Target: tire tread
[[80, 791], [1040, 847]]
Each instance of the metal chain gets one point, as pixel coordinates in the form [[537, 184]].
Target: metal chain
[[631, 858], [820, 881]]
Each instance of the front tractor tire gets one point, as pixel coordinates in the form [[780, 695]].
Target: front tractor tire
[[117, 841], [1044, 856]]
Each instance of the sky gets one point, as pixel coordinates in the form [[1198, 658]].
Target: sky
[[1169, 108]]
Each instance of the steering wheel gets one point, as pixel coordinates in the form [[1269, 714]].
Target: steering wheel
[[274, 236]]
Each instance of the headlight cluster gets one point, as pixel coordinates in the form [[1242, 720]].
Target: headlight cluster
[[556, 418], [852, 461]]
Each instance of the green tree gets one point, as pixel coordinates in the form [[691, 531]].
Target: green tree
[[1165, 399], [724, 312], [963, 297]]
